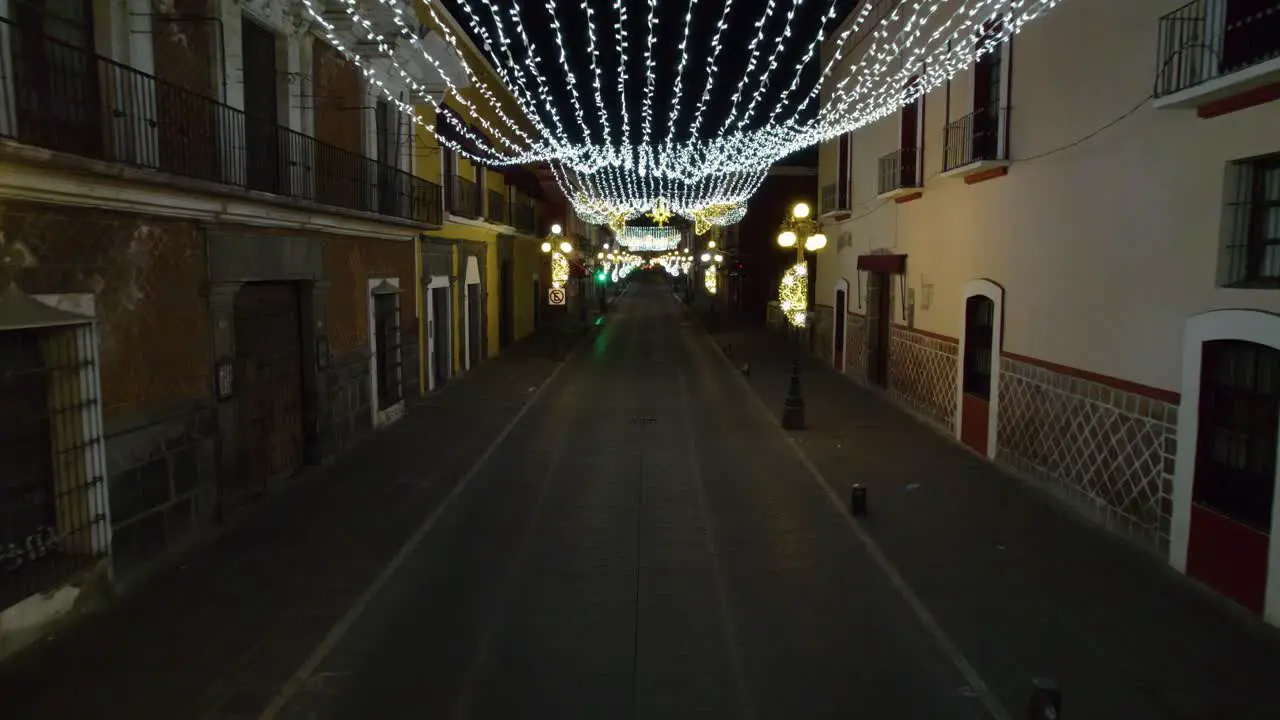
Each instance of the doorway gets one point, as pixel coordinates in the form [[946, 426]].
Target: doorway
[[261, 110], [475, 324], [976, 372], [841, 325], [506, 304], [439, 331], [879, 316], [1234, 480], [268, 372]]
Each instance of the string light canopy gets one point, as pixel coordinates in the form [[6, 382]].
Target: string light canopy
[[612, 158]]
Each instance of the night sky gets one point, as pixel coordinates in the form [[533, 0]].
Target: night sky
[[731, 62]]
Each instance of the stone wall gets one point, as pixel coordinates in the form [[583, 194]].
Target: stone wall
[[1107, 450], [922, 374]]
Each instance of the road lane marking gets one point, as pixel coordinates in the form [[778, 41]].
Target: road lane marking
[[967, 671], [335, 635]]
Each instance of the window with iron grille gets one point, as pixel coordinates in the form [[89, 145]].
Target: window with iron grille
[[386, 347], [1252, 227], [52, 496], [1239, 418]]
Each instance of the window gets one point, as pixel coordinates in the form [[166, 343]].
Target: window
[[52, 504], [386, 346], [1239, 414], [1253, 223], [979, 330]]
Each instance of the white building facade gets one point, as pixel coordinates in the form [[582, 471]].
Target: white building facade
[[1066, 256]]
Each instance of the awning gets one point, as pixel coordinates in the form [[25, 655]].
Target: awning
[[883, 263], [19, 311]]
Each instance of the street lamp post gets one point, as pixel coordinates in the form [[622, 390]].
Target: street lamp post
[[558, 248], [803, 233]]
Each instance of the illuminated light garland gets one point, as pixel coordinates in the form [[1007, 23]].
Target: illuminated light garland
[[793, 294], [711, 279], [660, 214], [716, 215], [559, 269], [649, 239], [917, 38]]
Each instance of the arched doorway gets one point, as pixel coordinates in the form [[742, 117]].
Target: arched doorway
[[1225, 479], [978, 376], [839, 333]]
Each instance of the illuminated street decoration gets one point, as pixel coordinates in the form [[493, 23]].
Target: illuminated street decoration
[[793, 294], [660, 214], [710, 279], [649, 239], [692, 170]]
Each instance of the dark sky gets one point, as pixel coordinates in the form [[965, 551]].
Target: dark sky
[[731, 62]]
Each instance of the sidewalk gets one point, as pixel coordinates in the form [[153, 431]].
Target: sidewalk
[[1024, 587], [221, 631]]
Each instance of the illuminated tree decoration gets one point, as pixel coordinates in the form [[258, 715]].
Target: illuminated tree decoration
[[559, 270], [793, 294], [604, 170], [711, 279]]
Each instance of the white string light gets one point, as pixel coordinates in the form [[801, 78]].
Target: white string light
[[606, 177]]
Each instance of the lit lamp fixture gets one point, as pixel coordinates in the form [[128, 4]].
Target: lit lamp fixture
[[558, 253], [803, 233]]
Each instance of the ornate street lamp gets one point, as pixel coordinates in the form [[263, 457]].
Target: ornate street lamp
[[803, 233]]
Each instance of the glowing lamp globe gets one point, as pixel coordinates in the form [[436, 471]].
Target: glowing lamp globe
[[787, 239], [706, 257], [556, 229], [719, 257], [800, 211], [546, 247], [712, 244], [815, 242], [566, 247]]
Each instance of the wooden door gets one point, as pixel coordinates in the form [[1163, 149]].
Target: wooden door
[[1235, 470], [442, 330], [879, 317], [269, 385], [979, 349]]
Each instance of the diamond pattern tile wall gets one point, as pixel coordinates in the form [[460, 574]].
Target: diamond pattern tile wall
[[855, 347], [1109, 450], [922, 373]]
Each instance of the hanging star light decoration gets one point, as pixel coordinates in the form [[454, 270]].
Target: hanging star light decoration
[[660, 215], [903, 51]]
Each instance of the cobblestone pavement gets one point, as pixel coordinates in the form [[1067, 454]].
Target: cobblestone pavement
[[1023, 585]]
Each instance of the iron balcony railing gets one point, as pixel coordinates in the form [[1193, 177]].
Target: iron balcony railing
[[63, 98], [465, 201], [973, 138], [898, 170], [828, 198], [497, 208], [1205, 39], [522, 215]]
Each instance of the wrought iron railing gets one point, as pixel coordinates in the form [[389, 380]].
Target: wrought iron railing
[[466, 198], [974, 137], [1205, 39], [898, 170], [497, 210], [63, 98]]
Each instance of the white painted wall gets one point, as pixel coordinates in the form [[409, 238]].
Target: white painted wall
[[1104, 249]]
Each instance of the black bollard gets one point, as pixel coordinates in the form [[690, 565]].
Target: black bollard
[[858, 501], [1046, 700], [793, 406]]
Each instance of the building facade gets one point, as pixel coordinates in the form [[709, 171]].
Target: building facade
[[213, 274], [1064, 259]]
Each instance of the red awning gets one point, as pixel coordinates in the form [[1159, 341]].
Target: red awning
[[887, 264]]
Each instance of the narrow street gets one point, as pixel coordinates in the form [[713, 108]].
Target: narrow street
[[643, 544]]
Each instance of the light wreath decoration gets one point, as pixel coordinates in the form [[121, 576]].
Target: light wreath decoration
[[793, 294], [559, 270], [711, 279], [607, 174]]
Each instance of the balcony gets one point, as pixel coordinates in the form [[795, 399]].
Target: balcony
[[464, 201], [62, 98], [898, 174], [1213, 50], [975, 143], [497, 210]]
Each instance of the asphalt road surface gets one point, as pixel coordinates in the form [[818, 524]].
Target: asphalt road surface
[[644, 543]]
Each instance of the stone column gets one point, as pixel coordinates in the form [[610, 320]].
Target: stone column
[[222, 309]]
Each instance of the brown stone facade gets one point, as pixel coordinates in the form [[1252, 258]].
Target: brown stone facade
[[1109, 450]]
